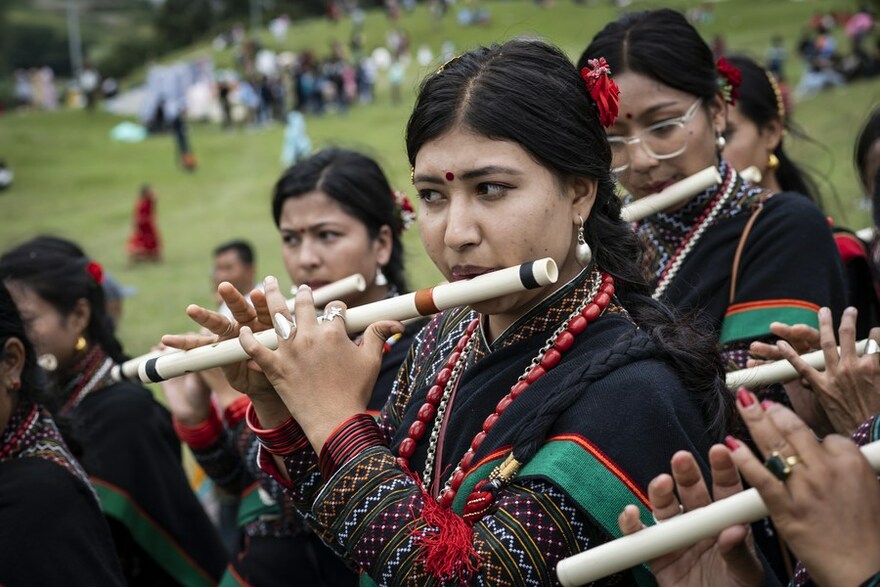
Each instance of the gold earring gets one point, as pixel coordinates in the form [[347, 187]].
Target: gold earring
[[772, 162], [80, 344]]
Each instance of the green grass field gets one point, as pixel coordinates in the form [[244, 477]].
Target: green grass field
[[72, 180]]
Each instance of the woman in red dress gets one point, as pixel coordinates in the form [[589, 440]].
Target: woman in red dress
[[144, 244]]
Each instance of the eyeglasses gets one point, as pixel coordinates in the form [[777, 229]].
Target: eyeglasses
[[663, 140]]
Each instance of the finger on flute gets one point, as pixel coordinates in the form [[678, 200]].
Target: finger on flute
[[780, 371], [420, 303], [673, 534], [677, 193], [332, 291]]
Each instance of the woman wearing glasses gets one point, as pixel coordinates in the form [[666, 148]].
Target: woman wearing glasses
[[746, 256]]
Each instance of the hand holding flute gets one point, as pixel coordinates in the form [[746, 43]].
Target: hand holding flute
[[824, 502]]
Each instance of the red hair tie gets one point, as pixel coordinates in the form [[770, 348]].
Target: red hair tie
[[96, 271], [603, 90], [729, 79]]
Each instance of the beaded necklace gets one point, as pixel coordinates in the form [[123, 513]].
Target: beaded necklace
[[433, 411], [15, 431], [703, 222]]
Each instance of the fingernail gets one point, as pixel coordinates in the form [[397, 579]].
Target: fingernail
[[282, 325], [269, 281], [766, 404], [824, 312], [304, 287], [744, 398], [731, 442]]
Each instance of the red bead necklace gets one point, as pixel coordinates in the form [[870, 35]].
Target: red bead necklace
[[433, 410]]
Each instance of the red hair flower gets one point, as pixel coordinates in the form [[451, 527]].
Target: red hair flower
[[403, 209], [96, 271], [729, 80], [603, 90]]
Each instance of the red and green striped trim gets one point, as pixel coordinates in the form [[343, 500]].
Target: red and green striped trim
[[117, 503], [751, 320], [584, 472], [231, 578]]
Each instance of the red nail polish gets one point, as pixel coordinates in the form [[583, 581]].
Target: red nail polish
[[744, 397], [766, 404], [731, 442]]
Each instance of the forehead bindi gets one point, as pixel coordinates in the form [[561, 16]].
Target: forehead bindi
[[450, 176]]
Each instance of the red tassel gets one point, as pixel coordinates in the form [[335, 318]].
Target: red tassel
[[447, 542]]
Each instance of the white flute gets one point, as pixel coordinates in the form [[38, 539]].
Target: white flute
[[780, 371], [674, 533], [323, 296], [752, 174], [424, 302], [675, 194]]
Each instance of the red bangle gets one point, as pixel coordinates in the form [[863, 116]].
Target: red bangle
[[283, 440], [200, 435], [235, 412], [350, 438]]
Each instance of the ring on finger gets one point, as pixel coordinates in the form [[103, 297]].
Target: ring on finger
[[680, 512], [333, 313], [780, 466]]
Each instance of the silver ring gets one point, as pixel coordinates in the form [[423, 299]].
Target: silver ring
[[333, 313], [229, 327], [872, 348], [680, 512]]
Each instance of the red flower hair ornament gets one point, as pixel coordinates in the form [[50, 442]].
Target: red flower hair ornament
[[404, 210], [603, 90], [729, 78], [96, 271]]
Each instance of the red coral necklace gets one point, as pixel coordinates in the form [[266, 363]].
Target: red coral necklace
[[433, 411]]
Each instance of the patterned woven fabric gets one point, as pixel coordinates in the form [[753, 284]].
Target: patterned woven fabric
[[31, 433]]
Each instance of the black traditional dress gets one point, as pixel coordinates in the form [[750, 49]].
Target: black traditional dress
[[132, 456], [51, 528], [627, 415]]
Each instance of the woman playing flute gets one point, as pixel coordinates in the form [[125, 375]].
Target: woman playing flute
[[745, 255], [336, 215], [511, 438], [161, 533]]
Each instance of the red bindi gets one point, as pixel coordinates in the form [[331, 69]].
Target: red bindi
[[450, 176]]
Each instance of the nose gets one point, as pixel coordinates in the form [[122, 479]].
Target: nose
[[639, 158], [462, 228], [308, 256]]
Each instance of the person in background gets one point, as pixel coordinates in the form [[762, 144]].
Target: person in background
[[47, 505], [161, 533], [234, 261], [144, 243]]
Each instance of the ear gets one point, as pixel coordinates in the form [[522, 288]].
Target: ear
[[584, 190], [718, 113], [771, 134], [78, 319], [12, 361], [383, 244]]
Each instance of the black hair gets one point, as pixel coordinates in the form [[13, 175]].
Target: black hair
[[242, 248], [56, 269], [868, 135], [357, 183], [759, 101], [12, 326], [659, 44], [528, 92]]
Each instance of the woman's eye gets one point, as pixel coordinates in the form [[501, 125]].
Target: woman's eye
[[290, 240], [328, 235], [664, 130], [430, 196], [492, 190]]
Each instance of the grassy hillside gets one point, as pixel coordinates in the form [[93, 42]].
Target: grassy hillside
[[72, 180]]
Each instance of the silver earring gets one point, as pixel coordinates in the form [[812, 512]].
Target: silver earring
[[47, 362], [720, 142], [582, 252], [380, 280]]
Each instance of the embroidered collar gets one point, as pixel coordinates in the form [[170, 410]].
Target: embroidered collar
[[91, 373], [23, 419]]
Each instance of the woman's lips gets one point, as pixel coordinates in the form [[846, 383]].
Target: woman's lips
[[460, 272]]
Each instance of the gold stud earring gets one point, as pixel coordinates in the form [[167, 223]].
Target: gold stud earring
[[80, 344], [772, 162]]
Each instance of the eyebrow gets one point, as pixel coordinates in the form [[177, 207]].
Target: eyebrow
[[469, 174], [312, 228]]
